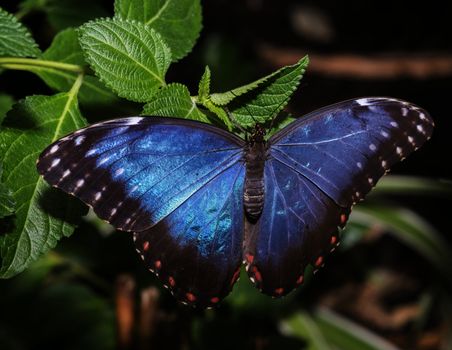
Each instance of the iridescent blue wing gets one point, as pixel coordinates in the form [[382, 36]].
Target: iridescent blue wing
[[298, 226], [197, 249], [177, 183], [318, 167]]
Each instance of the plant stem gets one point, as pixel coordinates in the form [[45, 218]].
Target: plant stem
[[29, 63], [77, 83]]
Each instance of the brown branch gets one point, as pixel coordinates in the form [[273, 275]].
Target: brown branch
[[390, 66], [148, 315], [124, 300]]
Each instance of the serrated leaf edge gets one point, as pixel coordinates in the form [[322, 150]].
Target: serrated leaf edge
[[72, 94], [26, 32], [120, 19]]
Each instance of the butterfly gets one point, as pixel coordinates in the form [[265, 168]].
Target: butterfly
[[201, 201]]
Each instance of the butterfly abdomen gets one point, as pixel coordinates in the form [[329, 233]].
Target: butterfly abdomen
[[253, 196]]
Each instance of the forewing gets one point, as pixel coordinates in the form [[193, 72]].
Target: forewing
[[345, 148], [134, 172]]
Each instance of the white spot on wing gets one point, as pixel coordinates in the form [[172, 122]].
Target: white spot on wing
[[384, 134], [55, 162], [404, 111], [359, 165], [134, 120], [91, 152], [363, 101], [80, 183], [420, 128], [97, 196], [372, 147], [113, 212], [394, 124], [119, 171], [103, 160], [78, 141], [66, 173], [399, 150], [54, 149]]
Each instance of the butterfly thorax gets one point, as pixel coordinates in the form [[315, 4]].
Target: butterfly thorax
[[255, 156]]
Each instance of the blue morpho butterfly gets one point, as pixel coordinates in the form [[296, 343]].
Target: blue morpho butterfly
[[200, 200]]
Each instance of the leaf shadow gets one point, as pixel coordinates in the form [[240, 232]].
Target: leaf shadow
[[63, 206], [7, 224]]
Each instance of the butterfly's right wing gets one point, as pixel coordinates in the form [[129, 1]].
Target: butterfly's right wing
[[318, 167]]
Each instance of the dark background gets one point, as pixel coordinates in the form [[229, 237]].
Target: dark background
[[242, 41]]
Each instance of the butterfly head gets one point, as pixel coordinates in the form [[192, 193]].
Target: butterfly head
[[258, 135]]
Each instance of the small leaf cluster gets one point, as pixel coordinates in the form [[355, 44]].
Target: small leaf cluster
[[94, 60]]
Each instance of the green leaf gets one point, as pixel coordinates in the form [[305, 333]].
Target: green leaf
[[399, 184], [178, 21], [62, 14], [174, 101], [220, 112], [66, 48], [301, 325], [411, 229], [7, 202], [267, 97], [277, 77], [15, 39], [129, 57], [324, 330], [44, 214], [224, 98], [6, 103], [347, 335], [204, 86], [73, 13]]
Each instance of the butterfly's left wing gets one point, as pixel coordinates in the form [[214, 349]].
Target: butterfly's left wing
[[178, 184], [318, 167]]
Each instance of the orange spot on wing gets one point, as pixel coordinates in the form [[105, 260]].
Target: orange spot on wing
[[146, 246], [343, 219], [158, 264], [235, 276], [190, 297], [319, 261], [171, 281], [300, 280], [257, 274], [214, 300], [279, 291], [249, 258]]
